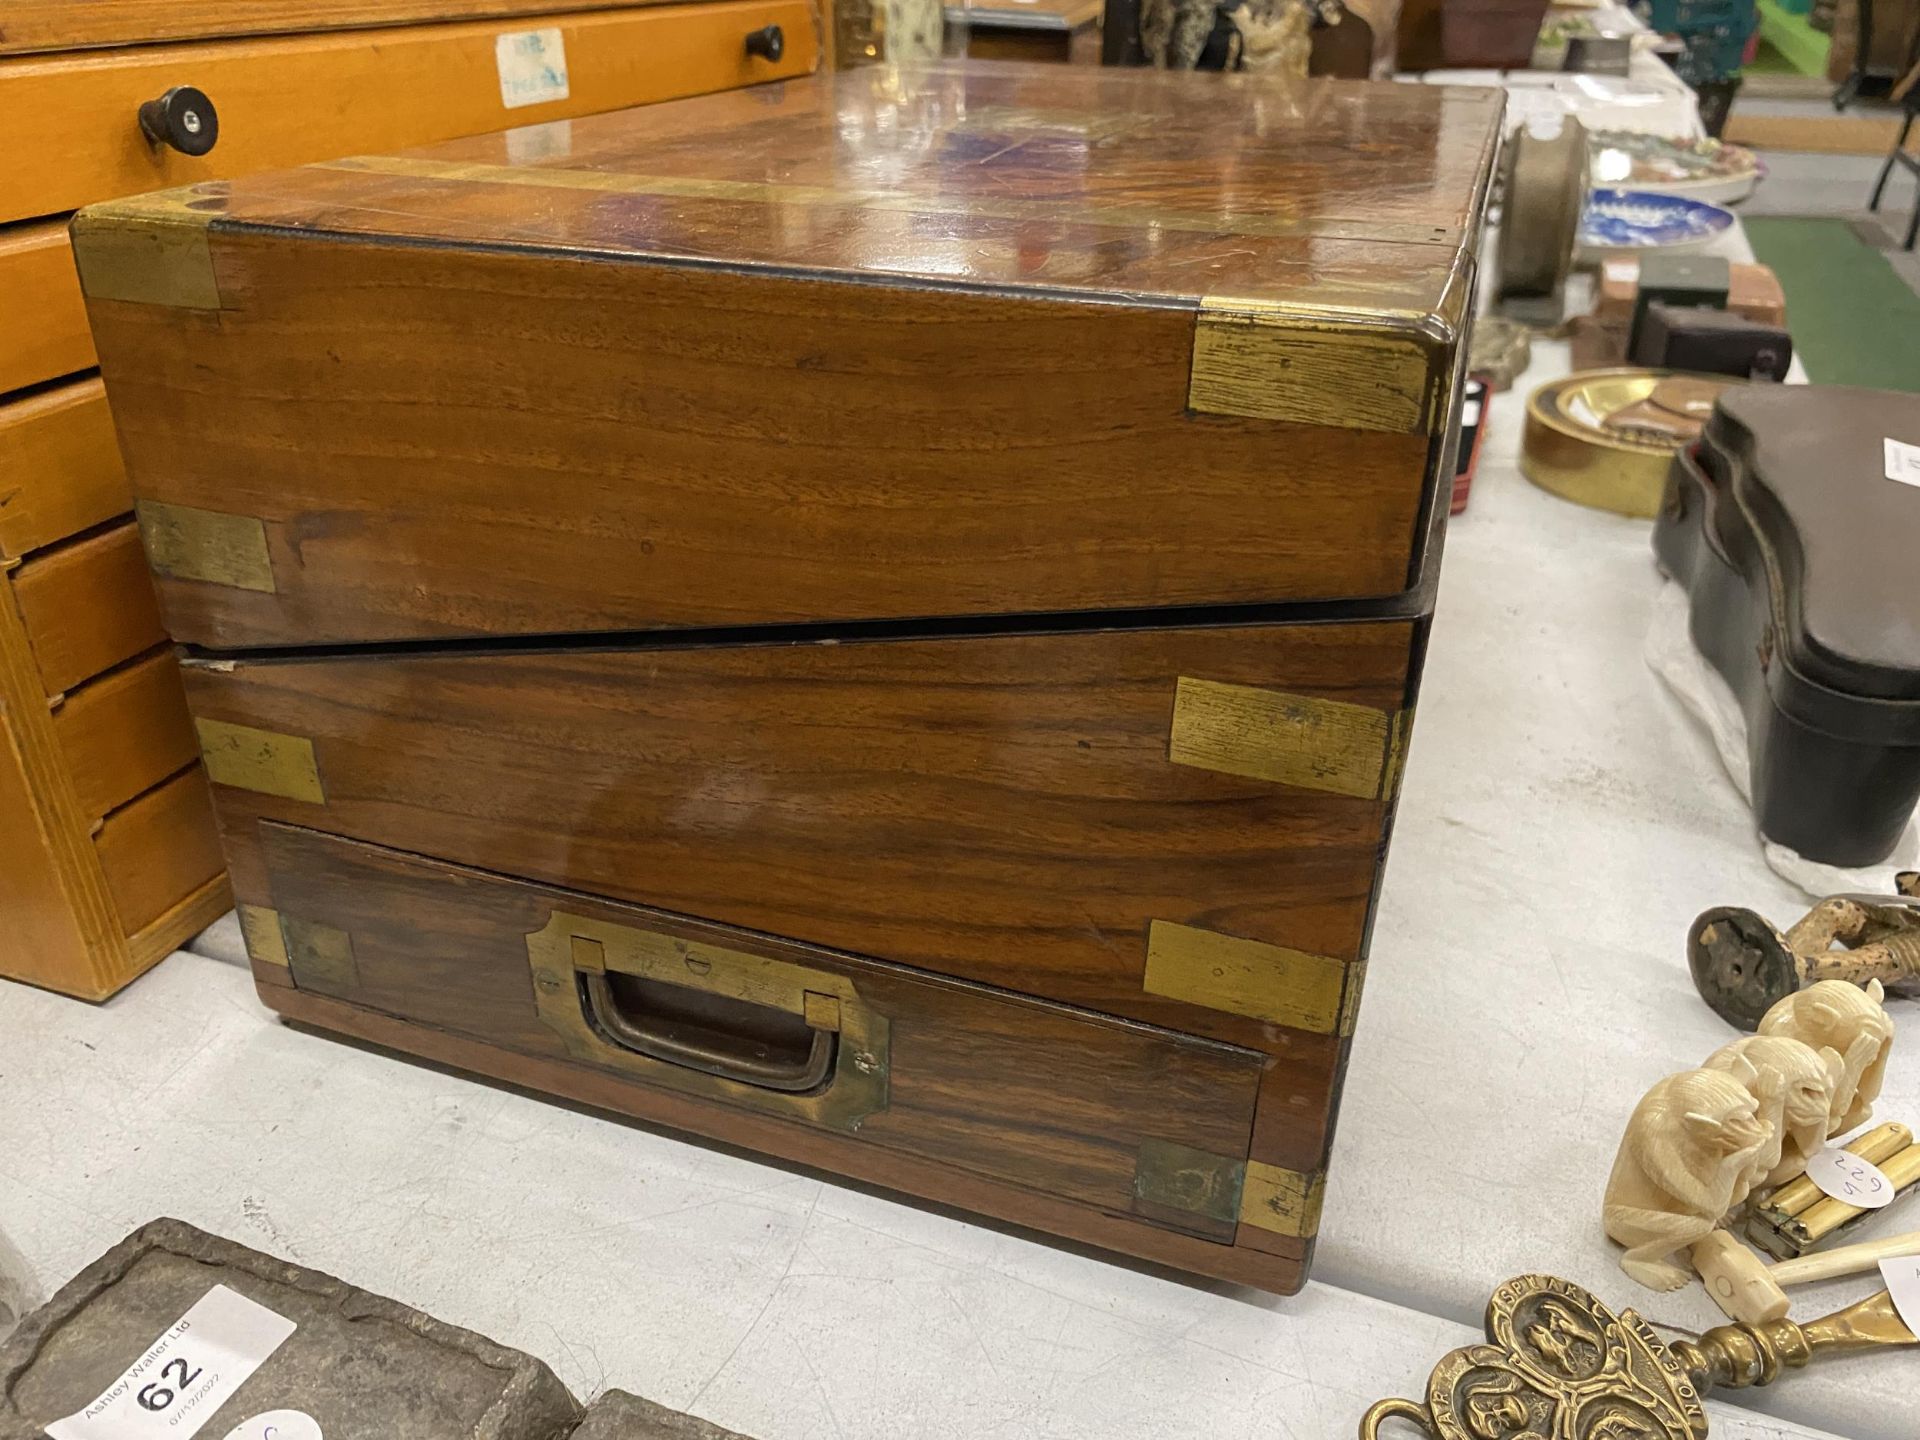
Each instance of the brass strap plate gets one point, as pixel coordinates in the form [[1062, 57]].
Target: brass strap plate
[[570, 946], [1269, 364], [1246, 977], [320, 957], [1284, 1202], [149, 249], [185, 543], [263, 760], [1187, 1189], [260, 926], [1308, 741]]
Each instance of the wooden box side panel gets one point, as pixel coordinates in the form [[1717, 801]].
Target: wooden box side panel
[[441, 442]]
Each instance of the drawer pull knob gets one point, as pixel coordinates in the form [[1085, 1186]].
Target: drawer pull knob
[[183, 118], [769, 42], [740, 1059]]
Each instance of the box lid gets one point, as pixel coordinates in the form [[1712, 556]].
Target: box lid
[[990, 340]]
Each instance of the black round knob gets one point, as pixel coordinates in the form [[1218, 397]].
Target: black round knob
[[184, 118], [767, 42]]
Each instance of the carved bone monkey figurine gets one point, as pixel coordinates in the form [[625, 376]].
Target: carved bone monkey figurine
[[1795, 1087], [1851, 1021], [1683, 1163]]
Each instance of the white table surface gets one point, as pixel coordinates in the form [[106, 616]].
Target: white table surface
[[782, 1305]]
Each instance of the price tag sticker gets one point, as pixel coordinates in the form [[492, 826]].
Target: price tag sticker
[[1850, 1179], [1903, 461], [1903, 1281], [533, 67], [278, 1425], [182, 1378]]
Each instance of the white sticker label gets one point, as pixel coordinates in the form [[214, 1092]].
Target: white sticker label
[[278, 1425], [532, 65], [1903, 462], [1848, 1178], [1903, 1280], [184, 1376]]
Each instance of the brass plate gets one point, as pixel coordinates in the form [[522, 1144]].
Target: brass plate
[[1302, 740], [149, 249], [1245, 977], [262, 760], [1188, 1189], [858, 1087], [1281, 1201], [320, 957], [1564, 451], [1271, 365], [260, 925], [221, 549]]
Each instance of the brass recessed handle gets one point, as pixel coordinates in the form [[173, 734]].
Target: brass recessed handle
[[740, 1059]]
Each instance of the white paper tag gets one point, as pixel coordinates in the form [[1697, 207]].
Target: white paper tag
[[532, 65], [1903, 1279], [1848, 1178], [184, 1376], [278, 1425], [1903, 461]]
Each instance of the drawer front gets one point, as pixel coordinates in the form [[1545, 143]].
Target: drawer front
[[293, 100], [159, 850], [87, 605], [1127, 1118], [60, 467], [126, 732], [36, 25], [1092, 816], [46, 333]]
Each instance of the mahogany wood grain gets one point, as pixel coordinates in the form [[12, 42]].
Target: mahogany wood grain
[[1000, 808], [1057, 1100], [126, 732], [1026, 1111], [159, 849], [75, 136], [46, 319], [60, 470], [87, 604], [33, 25], [752, 333]]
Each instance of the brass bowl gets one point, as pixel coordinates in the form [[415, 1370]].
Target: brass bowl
[[1605, 438]]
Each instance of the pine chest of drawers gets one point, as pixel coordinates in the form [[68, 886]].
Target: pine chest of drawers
[[876, 626], [105, 825]]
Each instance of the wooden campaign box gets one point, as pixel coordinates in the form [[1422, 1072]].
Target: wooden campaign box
[[876, 626], [107, 833]]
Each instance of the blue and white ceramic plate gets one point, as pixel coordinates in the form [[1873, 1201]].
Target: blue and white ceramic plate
[[1620, 222]]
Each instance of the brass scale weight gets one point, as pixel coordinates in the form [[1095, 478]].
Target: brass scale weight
[[1561, 1366]]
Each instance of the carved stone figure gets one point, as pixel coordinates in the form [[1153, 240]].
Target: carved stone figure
[[1794, 1084], [1851, 1021], [1683, 1163]]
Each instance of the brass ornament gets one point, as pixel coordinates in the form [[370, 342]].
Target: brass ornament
[[1560, 1365]]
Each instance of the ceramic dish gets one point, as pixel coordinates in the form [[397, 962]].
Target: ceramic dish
[[1707, 170], [1624, 222]]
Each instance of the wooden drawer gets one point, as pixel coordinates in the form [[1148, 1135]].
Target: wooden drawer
[[46, 334], [60, 469], [87, 605], [126, 732], [76, 138], [78, 24], [939, 1077], [159, 848]]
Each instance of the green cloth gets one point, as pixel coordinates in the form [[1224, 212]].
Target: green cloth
[[1854, 321]]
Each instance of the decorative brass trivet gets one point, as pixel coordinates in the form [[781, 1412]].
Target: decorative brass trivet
[[1561, 1366]]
